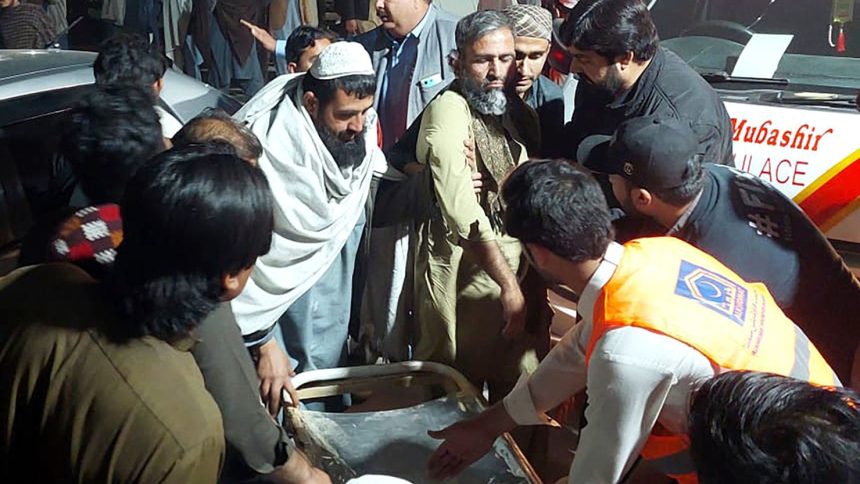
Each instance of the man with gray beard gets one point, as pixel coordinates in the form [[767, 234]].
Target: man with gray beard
[[470, 311]]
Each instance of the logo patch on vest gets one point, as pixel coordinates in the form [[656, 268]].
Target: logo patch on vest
[[713, 291]]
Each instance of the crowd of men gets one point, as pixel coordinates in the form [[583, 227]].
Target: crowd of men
[[416, 191]]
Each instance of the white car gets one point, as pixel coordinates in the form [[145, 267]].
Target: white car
[[37, 90]]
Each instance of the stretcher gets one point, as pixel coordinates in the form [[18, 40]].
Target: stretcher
[[394, 441]]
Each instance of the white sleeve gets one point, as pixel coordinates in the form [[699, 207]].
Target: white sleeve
[[281, 49], [560, 375], [634, 377], [624, 400]]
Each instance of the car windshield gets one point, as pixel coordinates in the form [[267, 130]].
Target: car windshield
[[710, 34]]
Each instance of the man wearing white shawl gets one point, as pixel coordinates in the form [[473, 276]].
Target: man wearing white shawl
[[318, 131]]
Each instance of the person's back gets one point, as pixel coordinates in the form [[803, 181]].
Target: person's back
[[97, 381], [23, 26], [132, 60], [784, 250], [81, 407]]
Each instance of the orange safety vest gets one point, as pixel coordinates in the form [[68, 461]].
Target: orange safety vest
[[667, 286]]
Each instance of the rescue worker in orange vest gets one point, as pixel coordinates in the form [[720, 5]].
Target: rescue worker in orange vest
[[659, 317], [719, 210]]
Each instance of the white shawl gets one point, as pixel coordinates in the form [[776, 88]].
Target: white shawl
[[317, 204]]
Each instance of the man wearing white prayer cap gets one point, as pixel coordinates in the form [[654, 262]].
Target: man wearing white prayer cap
[[319, 137]]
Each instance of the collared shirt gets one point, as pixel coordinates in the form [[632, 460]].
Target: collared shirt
[[682, 220], [635, 377], [396, 83], [94, 409], [445, 124]]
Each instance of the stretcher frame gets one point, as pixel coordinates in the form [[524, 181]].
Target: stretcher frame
[[339, 381]]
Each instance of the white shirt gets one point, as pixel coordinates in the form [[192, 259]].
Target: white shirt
[[635, 378]]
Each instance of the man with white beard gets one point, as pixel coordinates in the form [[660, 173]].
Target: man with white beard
[[465, 267]]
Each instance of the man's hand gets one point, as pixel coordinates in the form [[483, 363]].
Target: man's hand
[[469, 151], [351, 26], [274, 371], [413, 167], [471, 160], [514, 311], [464, 443], [298, 470], [477, 182], [261, 34]]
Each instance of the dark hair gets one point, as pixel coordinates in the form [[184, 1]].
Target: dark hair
[[611, 28], [559, 206], [216, 125], [129, 59], [750, 427], [304, 37], [360, 85], [190, 217], [112, 132], [694, 182]]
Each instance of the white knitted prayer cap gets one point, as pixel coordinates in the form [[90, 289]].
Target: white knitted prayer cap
[[342, 59]]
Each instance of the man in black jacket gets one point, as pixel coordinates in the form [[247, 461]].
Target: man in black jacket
[[744, 222], [623, 73]]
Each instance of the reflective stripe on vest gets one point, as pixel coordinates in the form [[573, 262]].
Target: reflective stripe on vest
[[804, 365], [667, 286], [670, 454]]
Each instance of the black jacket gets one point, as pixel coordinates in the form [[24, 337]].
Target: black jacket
[[759, 233], [668, 86]]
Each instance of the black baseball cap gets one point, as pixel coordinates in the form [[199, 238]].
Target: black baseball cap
[[650, 151]]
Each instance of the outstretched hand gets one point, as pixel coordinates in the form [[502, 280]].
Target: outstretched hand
[[262, 35], [464, 443]]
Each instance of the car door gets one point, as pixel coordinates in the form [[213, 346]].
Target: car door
[[33, 179]]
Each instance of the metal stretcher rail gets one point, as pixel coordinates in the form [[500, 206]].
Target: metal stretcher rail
[[394, 442]]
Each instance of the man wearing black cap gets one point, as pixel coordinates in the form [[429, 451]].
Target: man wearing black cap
[[623, 73], [655, 170]]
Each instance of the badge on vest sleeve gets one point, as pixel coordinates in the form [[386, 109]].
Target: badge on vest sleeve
[[713, 291]]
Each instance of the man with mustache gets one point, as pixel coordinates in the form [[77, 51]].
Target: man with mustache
[[624, 73], [470, 310], [318, 131]]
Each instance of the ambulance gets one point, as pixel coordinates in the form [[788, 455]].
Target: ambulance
[[788, 72]]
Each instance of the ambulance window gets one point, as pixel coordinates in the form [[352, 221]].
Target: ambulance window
[[710, 34]]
